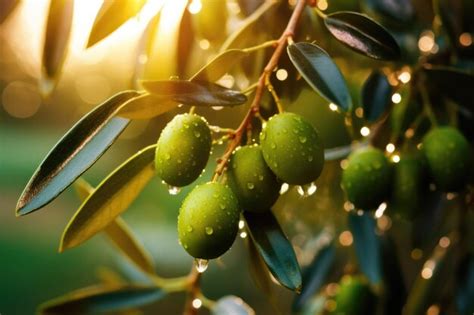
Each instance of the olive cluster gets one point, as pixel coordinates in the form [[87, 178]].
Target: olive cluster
[[370, 179], [290, 151]]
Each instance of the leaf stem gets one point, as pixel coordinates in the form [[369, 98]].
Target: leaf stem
[[261, 85], [270, 43], [272, 91]]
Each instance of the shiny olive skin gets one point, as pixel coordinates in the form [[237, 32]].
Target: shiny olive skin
[[208, 220], [183, 150], [448, 154], [252, 181], [292, 149], [366, 179]]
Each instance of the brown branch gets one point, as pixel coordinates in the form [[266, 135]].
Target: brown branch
[[261, 84], [193, 292]]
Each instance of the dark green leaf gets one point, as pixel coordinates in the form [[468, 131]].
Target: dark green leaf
[[363, 35], [56, 42], [452, 83], [145, 106], [112, 197], [231, 305], [321, 73], [258, 269], [376, 95], [79, 148], [219, 65], [199, 93], [111, 16], [6, 8], [393, 11], [274, 248], [367, 245], [99, 299], [315, 275]]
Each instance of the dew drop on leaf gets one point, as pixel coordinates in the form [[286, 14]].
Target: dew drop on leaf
[[209, 230], [201, 265], [173, 190], [284, 188]]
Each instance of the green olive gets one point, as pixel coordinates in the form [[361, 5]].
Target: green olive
[[408, 185], [208, 220], [252, 181], [183, 150], [366, 179], [354, 297], [292, 149], [448, 155]]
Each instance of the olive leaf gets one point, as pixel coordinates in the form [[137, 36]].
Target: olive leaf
[[112, 14], [220, 65], [77, 150], [231, 305], [120, 234], [315, 275], [56, 42], [6, 8], [258, 269], [394, 11], [367, 245], [102, 299], [465, 290], [274, 248], [363, 35], [248, 26], [112, 197], [321, 73], [146, 106], [199, 93], [376, 95]]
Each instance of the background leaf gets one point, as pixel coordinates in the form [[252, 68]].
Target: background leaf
[[56, 42], [363, 35], [315, 275], [367, 245], [274, 248], [219, 65], [321, 73], [79, 148], [100, 299], [397, 12], [145, 106], [6, 8], [199, 93], [465, 291], [376, 95], [231, 305], [112, 197], [111, 16]]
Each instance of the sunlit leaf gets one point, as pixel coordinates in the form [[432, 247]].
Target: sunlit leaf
[[321, 73], [220, 65], [111, 16], [185, 40], [274, 248], [367, 245], [315, 275], [376, 95], [363, 35], [112, 197], [79, 148], [199, 93], [56, 42], [247, 28], [145, 106], [6, 8], [100, 299], [231, 305]]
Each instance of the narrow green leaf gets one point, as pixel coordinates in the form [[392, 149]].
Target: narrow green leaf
[[258, 269], [400, 12], [112, 197], [56, 42], [321, 73], [111, 16], [363, 35], [274, 248], [315, 275], [145, 106], [231, 305], [6, 8], [219, 65], [77, 150], [367, 245], [376, 95], [199, 93], [101, 299], [246, 30]]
